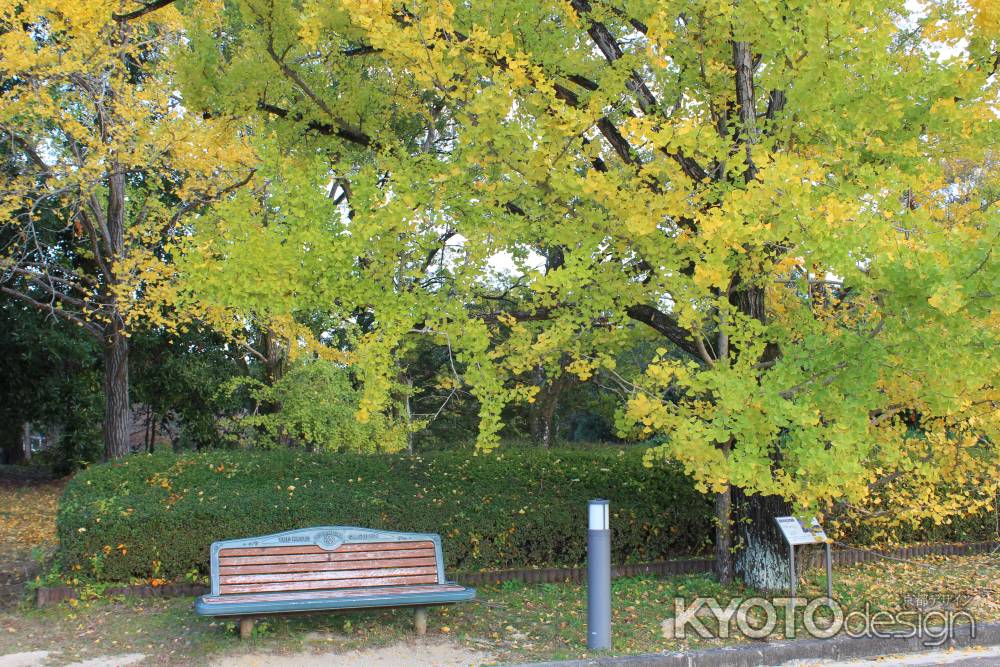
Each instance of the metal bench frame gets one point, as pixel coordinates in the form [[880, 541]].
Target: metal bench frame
[[330, 538]]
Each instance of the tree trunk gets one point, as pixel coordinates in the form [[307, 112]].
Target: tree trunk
[[276, 358], [761, 560], [547, 418], [117, 411], [724, 527], [543, 416], [408, 381], [276, 353], [150, 435], [724, 536], [535, 426], [25, 456], [761, 557]]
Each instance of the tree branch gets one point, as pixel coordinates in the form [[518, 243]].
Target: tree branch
[[142, 11], [191, 205], [344, 129], [53, 310], [828, 376], [608, 46], [326, 129], [665, 324]]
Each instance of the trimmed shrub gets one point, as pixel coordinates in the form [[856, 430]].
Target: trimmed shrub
[[156, 515]]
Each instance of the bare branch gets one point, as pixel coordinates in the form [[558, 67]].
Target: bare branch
[[53, 310]]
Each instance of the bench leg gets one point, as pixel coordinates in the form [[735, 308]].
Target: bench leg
[[246, 628], [420, 620]]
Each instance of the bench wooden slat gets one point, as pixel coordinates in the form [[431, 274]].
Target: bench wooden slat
[[275, 551], [316, 549], [327, 584], [330, 595], [326, 575], [325, 566], [386, 546], [331, 556]]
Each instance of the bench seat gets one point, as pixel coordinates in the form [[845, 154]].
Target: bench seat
[[328, 568], [349, 598]]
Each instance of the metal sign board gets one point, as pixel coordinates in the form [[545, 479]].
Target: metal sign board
[[796, 533]]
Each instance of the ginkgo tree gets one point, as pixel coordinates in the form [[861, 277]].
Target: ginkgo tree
[[769, 186], [100, 166]]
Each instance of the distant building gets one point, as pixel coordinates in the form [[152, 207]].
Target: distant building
[[147, 430]]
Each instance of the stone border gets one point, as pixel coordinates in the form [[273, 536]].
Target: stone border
[[771, 654], [553, 575]]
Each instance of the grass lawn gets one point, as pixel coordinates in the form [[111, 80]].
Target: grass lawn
[[511, 622]]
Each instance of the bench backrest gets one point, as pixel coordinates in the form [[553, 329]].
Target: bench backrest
[[326, 557]]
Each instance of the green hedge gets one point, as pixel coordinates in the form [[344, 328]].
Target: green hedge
[[156, 515], [979, 527]]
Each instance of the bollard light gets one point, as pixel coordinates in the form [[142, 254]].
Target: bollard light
[[598, 512], [598, 576]]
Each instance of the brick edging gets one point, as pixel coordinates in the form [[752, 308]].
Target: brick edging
[[769, 654], [848, 556], [47, 595], [554, 575]]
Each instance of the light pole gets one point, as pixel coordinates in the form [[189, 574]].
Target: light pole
[[598, 576]]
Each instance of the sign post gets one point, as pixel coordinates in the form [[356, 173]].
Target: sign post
[[796, 533], [598, 576]]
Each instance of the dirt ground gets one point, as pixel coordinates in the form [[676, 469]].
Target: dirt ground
[[46, 658], [408, 654]]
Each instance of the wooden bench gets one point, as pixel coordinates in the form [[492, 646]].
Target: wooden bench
[[328, 568]]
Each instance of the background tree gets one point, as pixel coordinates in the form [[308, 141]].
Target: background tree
[[180, 379], [312, 406], [50, 381], [101, 165]]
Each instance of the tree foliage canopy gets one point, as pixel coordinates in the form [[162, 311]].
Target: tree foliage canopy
[[797, 200], [796, 196]]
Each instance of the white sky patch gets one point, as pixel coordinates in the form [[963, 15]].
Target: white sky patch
[[940, 50], [504, 262]]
